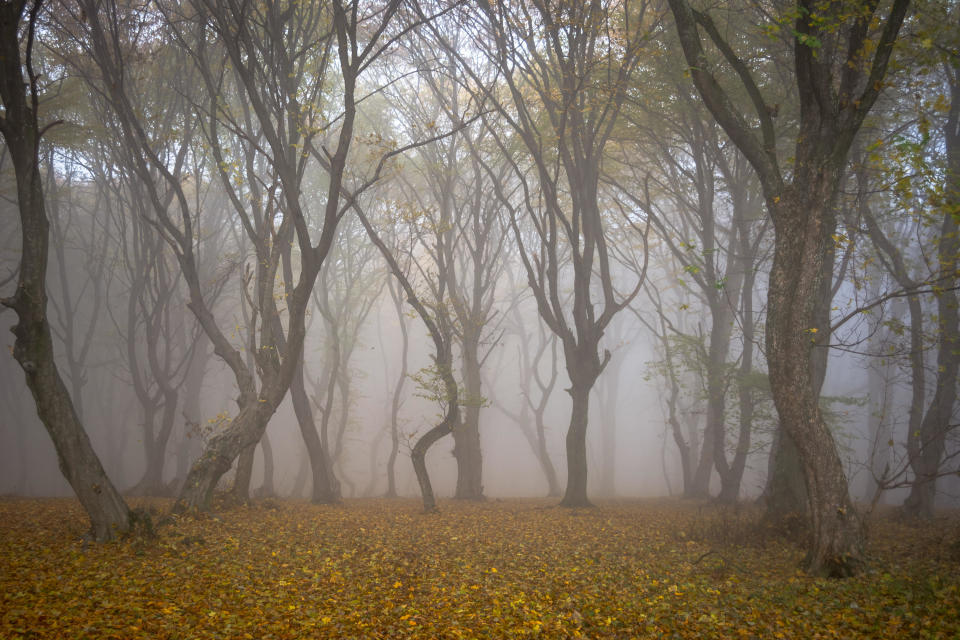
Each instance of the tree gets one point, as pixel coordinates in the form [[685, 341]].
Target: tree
[[919, 168], [840, 61], [33, 347], [438, 381], [277, 58], [534, 346], [563, 69]]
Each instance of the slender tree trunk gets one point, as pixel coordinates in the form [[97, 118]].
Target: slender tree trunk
[[397, 398], [700, 482], [419, 458], [325, 487], [466, 436], [155, 448], [732, 477], [543, 455], [303, 474], [720, 333], [241, 481], [267, 489], [928, 445], [930, 440]]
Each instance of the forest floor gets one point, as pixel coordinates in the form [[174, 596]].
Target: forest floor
[[497, 569]]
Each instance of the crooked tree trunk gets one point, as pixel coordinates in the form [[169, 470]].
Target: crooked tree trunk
[[419, 458], [804, 222], [244, 431], [33, 345]]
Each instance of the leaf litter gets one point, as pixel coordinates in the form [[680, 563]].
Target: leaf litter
[[375, 568]]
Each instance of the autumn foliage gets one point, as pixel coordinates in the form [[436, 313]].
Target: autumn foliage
[[383, 569]]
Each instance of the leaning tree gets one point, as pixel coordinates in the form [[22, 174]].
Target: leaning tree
[[840, 58]]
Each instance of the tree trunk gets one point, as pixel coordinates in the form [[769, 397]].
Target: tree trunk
[[223, 448], [33, 345], [241, 481], [732, 476], [546, 464], [785, 492], [325, 487], [466, 450], [700, 482], [303, 473], [929, 444], [267, 489], [466, 437], [804, 222], [419, 458], [576, 492], [419, 453], [397, 398], [720, 332]]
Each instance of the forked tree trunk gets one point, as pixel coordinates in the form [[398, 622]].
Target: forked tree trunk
[[243, 431]]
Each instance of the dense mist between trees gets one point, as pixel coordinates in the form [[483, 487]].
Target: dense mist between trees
[[584, 251]]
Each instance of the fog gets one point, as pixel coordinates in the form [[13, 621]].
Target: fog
[[547, 265]]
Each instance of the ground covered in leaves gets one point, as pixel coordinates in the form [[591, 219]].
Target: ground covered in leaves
[[382, 569]]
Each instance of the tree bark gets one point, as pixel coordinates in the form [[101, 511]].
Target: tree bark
[[466, 436], [33, 345], [267, 489], [240, 494], [325, 487], [803, 224], [583, 367]]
